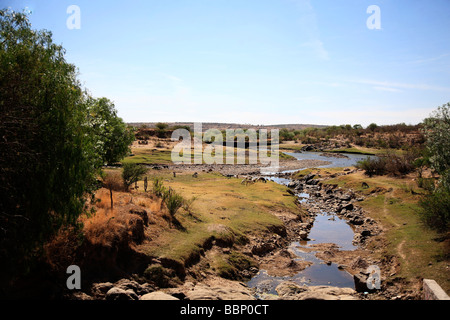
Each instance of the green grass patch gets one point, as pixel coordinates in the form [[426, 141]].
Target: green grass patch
[[224, 209]]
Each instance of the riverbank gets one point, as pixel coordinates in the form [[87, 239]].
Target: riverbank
[[234, 230]]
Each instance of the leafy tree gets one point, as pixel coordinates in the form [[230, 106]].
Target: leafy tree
[[113, 182], [51, 153], [437, 134], [113, 134], [161, 126], [436, 206], [132, 173], [372, 127]]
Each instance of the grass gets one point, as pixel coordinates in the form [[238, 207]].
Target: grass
[[291, 147], [366, 151], [420, 250], [151, 156], [224, 209]]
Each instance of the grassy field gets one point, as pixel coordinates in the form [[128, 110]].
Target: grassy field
[[151, 156], [224, 209], [367, 151], [421, 251]]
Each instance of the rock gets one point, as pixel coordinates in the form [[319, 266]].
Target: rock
[[360, 280], [116, 293], [356, 221], [292, 184], [365, 233], [158, 295], [224, 292], [263, 248], [80, 296], [303, 235], [139, 289], [100, 289], [289, 290]]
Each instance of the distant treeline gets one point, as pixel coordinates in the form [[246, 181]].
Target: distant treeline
[[373, 136]]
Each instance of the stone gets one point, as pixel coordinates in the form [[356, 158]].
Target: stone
[[360, 280], [158, 295], [100, 289], [225, 292], [116, 294], [303, 235], [289, 290], [432, 291], [365, 233]]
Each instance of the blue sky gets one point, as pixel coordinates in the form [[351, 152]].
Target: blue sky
[[258, 61]]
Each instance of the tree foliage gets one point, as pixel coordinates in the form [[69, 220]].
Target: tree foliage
[[132, 173], [436, 206], [437, 133], [51, 149]]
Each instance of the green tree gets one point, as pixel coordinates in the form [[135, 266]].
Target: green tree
[[51, 152], [132, 173], [372, 127], [437, 133], [436, 206], [46, 161], [113, 135]]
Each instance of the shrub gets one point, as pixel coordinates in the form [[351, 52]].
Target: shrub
[[435, 209], [173, 201], [131, 173], [158, 187], [399, 165], [372, 166], [113, 182]]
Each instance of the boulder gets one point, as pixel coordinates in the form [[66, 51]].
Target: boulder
[[204, 292], [116, 294], [288, 290], [158, 295]]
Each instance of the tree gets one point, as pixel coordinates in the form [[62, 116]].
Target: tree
[[372, 127], [437, 133], [51, 153], [132, 173], [436, 206], [47, 163], [113, 182], [113, 134]]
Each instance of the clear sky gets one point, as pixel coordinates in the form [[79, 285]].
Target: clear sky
[[258, 61]]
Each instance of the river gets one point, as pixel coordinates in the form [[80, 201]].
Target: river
[[327, 228]]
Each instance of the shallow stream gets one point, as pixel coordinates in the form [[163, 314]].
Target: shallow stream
[[327, 228]]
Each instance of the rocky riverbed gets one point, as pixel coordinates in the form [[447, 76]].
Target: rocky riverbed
[[274, 253]]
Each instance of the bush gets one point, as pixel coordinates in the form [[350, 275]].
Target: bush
[[387, 164], [435, 209], [132, 173], [173, 201], [158, 187], [372, 166]]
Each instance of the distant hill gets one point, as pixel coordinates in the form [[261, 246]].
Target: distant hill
[[222, 126]]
